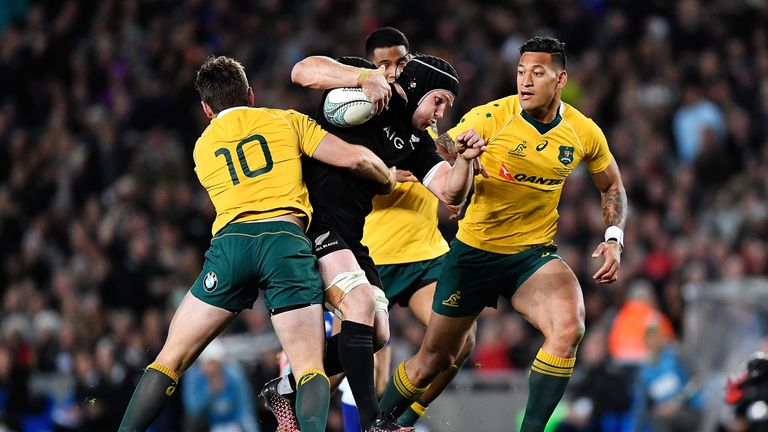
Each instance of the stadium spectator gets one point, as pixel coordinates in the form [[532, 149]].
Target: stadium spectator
[[599, 397], [666, 396], [627, 336], [694, 122], [216, 393]]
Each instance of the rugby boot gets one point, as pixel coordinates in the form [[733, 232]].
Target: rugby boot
[[282, 406], [387, 424]]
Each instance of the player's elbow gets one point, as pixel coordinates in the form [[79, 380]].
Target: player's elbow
[[455, 199], [308, 72], [443, 184], [452, 197], [300, 73]]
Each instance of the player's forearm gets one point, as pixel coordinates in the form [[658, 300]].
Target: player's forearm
[[614, 204], [446, 147], [458, 180], [319, 72], [370, 167]]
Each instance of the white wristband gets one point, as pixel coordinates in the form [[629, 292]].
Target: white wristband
[[615, 233]]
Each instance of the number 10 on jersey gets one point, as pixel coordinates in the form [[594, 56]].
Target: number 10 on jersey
[[243, 162]]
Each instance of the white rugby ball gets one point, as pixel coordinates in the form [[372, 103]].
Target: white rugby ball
[[348, 106]]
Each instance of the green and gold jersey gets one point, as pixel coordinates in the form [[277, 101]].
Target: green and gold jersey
[[516, 208], [249, 161], [402, 227]]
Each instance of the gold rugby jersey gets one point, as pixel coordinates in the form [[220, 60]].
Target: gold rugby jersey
[[402, 228], [249, 161], [516, 208]]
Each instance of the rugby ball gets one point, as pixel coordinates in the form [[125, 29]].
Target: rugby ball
[[348, 106]]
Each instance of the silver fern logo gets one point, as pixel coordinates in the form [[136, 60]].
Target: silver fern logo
[[321, 238]]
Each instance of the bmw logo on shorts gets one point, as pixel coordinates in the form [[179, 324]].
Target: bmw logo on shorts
[[210, 282]]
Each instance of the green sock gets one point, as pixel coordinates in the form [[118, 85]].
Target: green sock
[[413, 413], [399, 393], [547, 382], [313, 396], [155, 388]]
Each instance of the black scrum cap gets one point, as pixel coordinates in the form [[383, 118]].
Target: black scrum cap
[[424, 74]]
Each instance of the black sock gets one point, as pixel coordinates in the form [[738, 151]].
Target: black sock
[[332, 362], [155, 388], [356, 355]]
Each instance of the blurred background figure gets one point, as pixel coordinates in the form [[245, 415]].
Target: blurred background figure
[[627, 339], [12, 389], [666, 396], [747, 392], [217, 396], [599, 397]]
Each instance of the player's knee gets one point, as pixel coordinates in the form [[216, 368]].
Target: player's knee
[[433, 363], [380, 330], [359, 304], [568, 335], [350, 296], [380, 336]]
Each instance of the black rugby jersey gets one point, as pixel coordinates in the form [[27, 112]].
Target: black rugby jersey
[[342, 199]]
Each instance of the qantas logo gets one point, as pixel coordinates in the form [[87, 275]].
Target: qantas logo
[[504, 172], [525, 178]]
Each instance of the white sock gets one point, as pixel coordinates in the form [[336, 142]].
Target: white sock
[[284, 385]]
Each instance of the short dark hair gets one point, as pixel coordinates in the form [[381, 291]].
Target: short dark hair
[[356, 62], [385, 37], [222, 83], [547, 45]]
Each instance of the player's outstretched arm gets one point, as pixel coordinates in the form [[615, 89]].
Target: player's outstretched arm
[[323, 73], [450, 184], [361, 161], [613, 199], [448, 149]]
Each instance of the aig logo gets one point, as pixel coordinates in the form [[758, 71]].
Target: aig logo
[[398, 142]]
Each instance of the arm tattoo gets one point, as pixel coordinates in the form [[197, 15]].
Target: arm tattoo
[[614, 204], [447, 143]]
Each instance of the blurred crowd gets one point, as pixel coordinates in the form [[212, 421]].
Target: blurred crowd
[[103, 225]]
